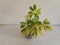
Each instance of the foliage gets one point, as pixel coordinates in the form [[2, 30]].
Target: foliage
[[32, 24]]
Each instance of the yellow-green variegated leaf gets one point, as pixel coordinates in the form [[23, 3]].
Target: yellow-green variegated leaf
[[27, 32], [38, 11], [49, 27], [23, 24], [40, 31], [30, 13], [35, 33], [32, 32], [31, 8], [34, 6], [46, 21], [46, 28], [40, 27], [27, 17], [23, 31]]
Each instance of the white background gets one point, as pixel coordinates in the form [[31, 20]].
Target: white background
[[13, 11]]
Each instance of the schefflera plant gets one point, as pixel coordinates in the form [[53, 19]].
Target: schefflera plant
[[32, 25]]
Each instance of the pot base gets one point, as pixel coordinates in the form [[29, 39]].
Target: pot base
[[29, 36]]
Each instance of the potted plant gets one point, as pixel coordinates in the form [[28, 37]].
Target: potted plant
[[32, 25]]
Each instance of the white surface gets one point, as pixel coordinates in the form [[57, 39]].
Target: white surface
[[9, 35], [13, 11]]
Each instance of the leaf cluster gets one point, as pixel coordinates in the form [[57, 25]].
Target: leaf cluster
[[32, 24]]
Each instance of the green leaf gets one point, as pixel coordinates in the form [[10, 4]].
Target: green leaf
[[40, 31], [32, 30], [47, 27], [34, 6], [30, 23], [31, 8], [36, 17], [35, 32], [46, 21], [38, 11], [27, 17], [23, 30], [23, 24], [27, 32], [38, 23], [30, 13]]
